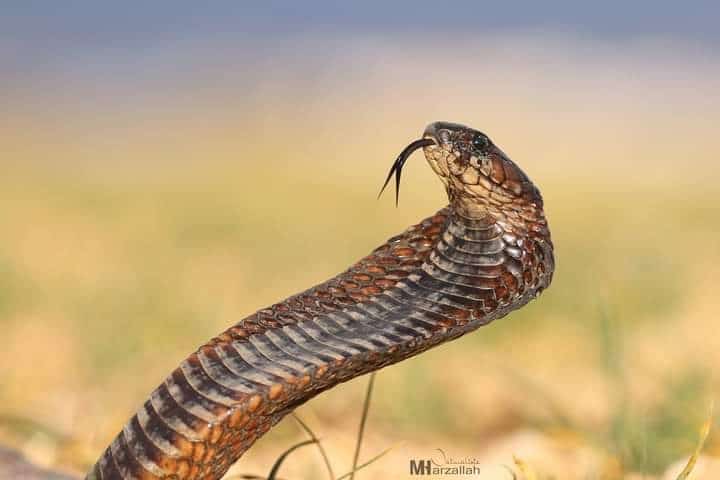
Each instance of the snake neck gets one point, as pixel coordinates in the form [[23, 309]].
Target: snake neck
[[489, 261], [441, 278]]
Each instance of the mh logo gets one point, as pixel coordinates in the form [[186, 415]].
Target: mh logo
[[420, 467]]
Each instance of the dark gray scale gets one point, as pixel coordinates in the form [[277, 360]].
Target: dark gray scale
[[486, 247], [356, 339], [422, 312], [126, 464], [476, 247], [412, 287], [177, 418], [107, 467], [198, 378], [380, 314], [265, 346], [194, 401], [383, 301], [423, 322], [314, 330], [465, 229], [405, 314], [449, 255], [302, 338], [290, 348], [142, 448], [237, 357], [251, 354], [439, 260], [367, 316], [216, 369], [131, 454], [157, 431], [380, 310], [344, 327], [411, 294], [481, 282], [445, 286]]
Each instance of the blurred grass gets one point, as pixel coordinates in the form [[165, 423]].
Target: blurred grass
[[107, 282]]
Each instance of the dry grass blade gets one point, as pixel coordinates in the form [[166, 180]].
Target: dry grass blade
[[527, 472], [313, 437], [704, 432], [278, 463], [512, 473], [363, 465], [363, 420]]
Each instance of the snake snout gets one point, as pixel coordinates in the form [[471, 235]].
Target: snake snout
[[442, 133]]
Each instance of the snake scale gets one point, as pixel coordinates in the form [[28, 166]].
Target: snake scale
[[487, 253]]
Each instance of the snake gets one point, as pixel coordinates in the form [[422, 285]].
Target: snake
[[486, 253]]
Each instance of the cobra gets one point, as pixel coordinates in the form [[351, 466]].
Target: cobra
[[484, 255]]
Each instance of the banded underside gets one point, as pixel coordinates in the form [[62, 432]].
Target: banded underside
[[438, 280]]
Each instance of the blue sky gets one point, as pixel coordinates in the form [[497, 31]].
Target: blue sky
[[41, 40], [38, 27]]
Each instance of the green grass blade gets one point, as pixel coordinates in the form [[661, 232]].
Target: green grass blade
[[704, 432]]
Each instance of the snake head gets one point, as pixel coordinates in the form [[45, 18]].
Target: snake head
[[476, 173]]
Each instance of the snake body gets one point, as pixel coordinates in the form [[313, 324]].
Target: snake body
[[487, 253]]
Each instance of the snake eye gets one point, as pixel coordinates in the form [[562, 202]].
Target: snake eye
[[481, 142]]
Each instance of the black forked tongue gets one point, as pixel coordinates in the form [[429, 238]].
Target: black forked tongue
[[400, 162]]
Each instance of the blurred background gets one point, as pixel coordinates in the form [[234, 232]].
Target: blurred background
[[170, 167]]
